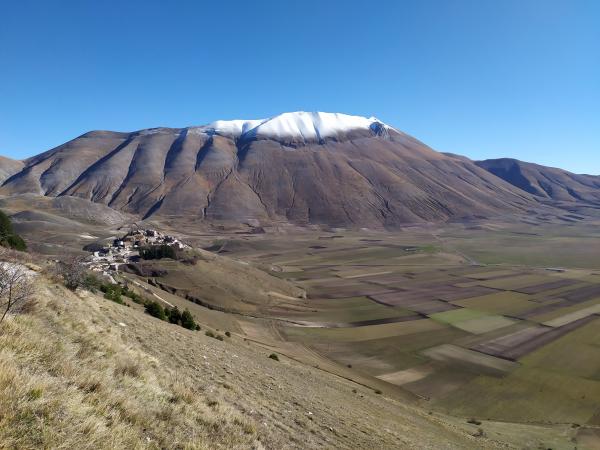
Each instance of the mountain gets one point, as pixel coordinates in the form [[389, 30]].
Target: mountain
[[302, 168], [9, 167], [546, 182]]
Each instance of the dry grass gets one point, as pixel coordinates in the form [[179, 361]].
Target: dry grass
[[68, 383], [81, 372]]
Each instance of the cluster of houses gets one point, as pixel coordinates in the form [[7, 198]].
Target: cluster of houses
[[127, 249]]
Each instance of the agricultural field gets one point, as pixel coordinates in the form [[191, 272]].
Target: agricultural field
[[469, 333], [458, 320]]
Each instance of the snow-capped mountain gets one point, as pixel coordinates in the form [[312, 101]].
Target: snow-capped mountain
[[301, 167], [298, 126]]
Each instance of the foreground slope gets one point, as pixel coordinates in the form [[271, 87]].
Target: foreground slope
[[82, 372], [545, 182], [304, 168]]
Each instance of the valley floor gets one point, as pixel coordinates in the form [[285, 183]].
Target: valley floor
[[454, 337]]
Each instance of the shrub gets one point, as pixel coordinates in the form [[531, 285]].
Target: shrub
[[228, 334], [378, 392], [136, 298], [210, 334], [174, 315], [73, 272], [8, 238], [112, 292], [155, 310], [16, 288], [187, 320], [218, 337], [274, 356], [158, 252], [91, 283]]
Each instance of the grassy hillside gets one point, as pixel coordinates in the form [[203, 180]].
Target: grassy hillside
[[79, 371]]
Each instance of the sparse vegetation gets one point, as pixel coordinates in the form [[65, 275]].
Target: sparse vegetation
[[187, 320], [158, 252], [155, 310], [8, 238], [73, 272], [16, 288]]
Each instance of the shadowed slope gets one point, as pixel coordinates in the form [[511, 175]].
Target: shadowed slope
[[546, 182]]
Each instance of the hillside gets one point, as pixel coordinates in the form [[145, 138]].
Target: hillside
[[9, 167], [121, 379], [545, 182], [301, 168]]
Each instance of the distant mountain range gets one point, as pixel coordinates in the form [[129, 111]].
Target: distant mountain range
[[301, 168]]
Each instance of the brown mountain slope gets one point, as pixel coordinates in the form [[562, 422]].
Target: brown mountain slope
[[9, 167], [547, 182], [371, 177]]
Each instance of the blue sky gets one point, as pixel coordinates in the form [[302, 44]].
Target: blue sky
[[481, 78]]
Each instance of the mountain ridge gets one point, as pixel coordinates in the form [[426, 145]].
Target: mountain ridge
[[302, 168], [550, 183]]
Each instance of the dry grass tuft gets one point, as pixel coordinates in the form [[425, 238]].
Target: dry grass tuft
[[127, 367]]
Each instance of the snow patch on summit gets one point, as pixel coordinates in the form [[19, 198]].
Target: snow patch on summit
[[301, 125]]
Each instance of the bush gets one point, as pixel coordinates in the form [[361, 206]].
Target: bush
[[16, 288], [274, 356], [73, 272], [158, 252], [91, 283], [210, 334], [112, 292], [187, 320], [228, 334], [8, 238], [174, 315], [155, 310], [219, 337]]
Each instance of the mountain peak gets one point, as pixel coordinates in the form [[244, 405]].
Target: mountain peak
[[299, 125]]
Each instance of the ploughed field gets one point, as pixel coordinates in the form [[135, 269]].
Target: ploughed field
[[495, 341]]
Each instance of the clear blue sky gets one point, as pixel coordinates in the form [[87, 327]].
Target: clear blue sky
[[481, 78]]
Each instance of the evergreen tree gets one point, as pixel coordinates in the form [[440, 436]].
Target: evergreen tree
[[187, 320], [8, 238], [155, 310], [175, 316]]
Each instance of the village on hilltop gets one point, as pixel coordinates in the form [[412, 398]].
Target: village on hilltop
[[126, 249]]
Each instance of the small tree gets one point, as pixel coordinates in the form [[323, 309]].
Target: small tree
[[187, 320], [156, 310], [73, 271], [16, 288], [158, 252], [174, 316], [8, 238]]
